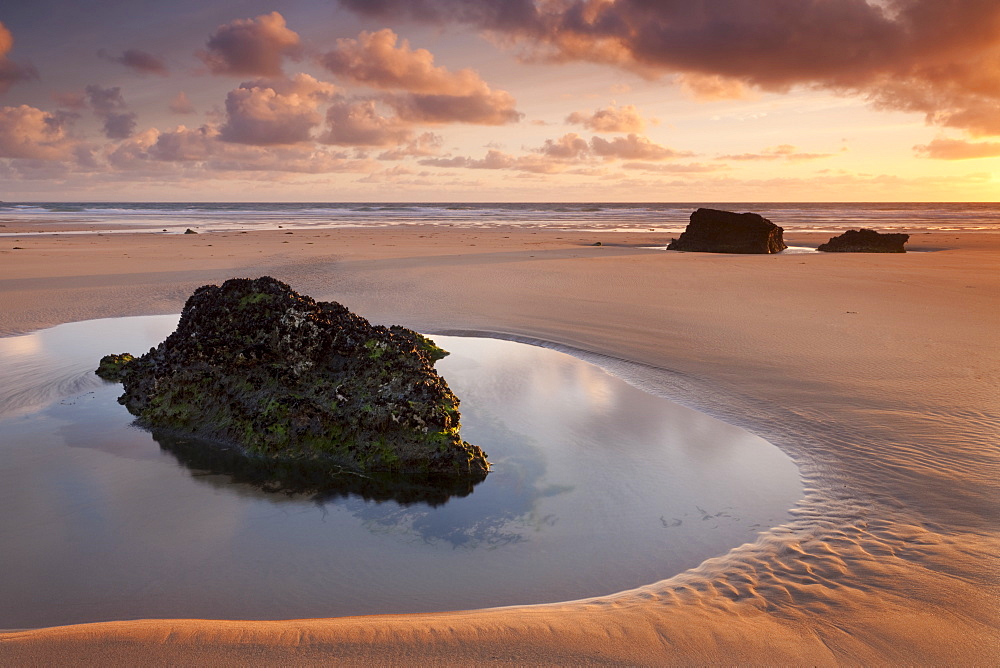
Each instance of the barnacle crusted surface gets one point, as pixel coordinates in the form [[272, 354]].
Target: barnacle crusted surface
[[256, 364]]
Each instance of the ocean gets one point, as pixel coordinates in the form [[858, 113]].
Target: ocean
[[173, 217]]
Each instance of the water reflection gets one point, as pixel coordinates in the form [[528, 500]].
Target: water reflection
[[403, 505], [316, 480], [596, 487], [506, 511]]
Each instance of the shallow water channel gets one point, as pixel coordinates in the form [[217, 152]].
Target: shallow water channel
[[596, 487]]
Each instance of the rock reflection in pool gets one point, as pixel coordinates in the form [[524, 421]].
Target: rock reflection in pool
[[596, 487]]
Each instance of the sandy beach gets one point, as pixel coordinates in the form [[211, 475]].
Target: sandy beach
[[879, 375]]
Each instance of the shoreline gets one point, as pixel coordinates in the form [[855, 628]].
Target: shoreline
[[892, 555]]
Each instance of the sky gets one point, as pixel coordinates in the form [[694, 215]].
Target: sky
[[493, 100]]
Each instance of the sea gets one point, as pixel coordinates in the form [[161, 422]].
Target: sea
[[174, 217]]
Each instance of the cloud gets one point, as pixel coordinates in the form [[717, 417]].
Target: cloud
[[610, 119], [482, 108], [926, 56], [105, 100], [396, 175], [270, 112], [30, 133], [185, 145], [251, 46], [11, 72], [559, 155], [181, 104], [570, 146], [633, 147], [426, 144], [691, 168], [781, 152], [109, 105], [494, 160], [71, 100], [431, 94], [358, 123], [140, 61], [202, 150], [711, 87], [119, 126], [374, 59], [956, 149]]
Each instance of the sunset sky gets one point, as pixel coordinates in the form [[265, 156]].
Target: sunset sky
[[485, 100]]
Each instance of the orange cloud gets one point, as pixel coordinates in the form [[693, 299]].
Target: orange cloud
[[181, 104], [570, 146], [691, 168], [633, 147], [253, 47], [432, 94], [358, 123], [426, 144], [281, 111], [27, 132], [374, 59], [938, 58], [782, 152], [193, 151], [481, 108], [500, 160], [558, 155], [711, 87], [956, 149], [610, 119]]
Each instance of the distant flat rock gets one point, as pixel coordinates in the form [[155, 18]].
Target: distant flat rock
[[865, 241], [716, 231]]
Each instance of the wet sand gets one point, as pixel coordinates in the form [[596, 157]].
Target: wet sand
[[878, 374]]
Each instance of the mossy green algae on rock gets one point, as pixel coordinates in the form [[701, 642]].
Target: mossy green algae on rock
[[256, 364], [111, 367]]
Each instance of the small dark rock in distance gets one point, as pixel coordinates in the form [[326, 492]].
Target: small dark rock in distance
[[715, 231], [865, 241], [254, 364], [189, 231]]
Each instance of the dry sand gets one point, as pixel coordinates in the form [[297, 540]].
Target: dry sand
[[878, 374]]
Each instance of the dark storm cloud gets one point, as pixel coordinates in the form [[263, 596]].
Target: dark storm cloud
[[938, 58], [140, 61]]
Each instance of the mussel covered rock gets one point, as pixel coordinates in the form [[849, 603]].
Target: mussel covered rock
[[255, 364]]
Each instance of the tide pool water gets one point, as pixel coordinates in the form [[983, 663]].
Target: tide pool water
[[597, 487]]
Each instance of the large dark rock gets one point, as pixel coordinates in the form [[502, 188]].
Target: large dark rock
[[865, 241], [255, 364], [715, 231]]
